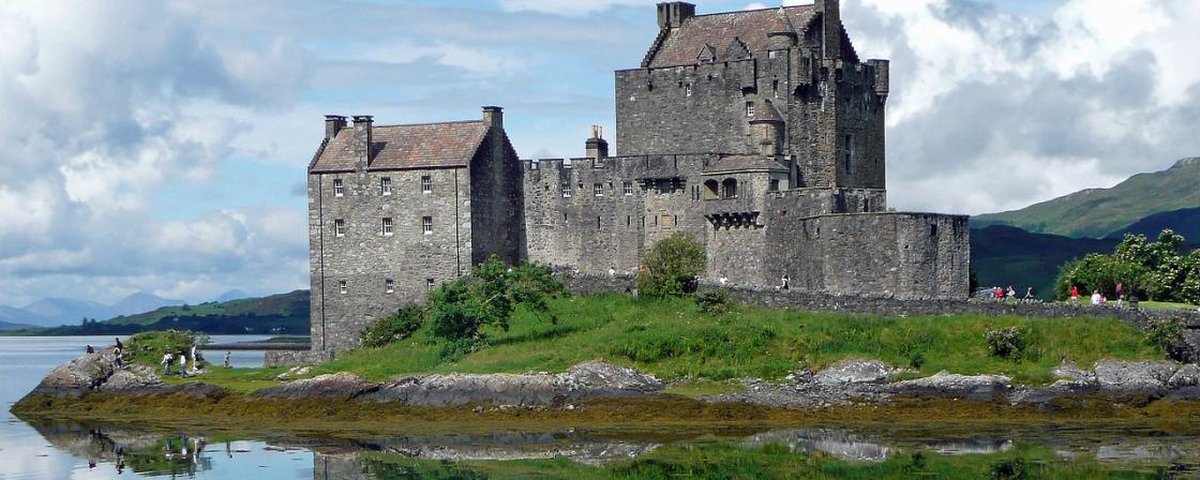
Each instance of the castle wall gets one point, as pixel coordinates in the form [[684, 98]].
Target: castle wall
[[365, 257], [904, 255], [497, 208], [687, 109]]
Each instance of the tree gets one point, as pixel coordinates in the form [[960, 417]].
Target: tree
[[672, 267], [1154, 270], [459, 309]]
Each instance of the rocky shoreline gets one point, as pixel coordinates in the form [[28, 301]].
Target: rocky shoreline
[[848, 383]]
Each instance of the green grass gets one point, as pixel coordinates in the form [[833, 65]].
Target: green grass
[[1167, 306], [672, 340], [727, 460]]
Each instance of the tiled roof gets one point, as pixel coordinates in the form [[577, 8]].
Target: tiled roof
[[450, 144], [734, 163], [682, 46]]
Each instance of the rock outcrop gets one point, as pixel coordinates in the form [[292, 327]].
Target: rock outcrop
[[76, 377], [950, 385], [336, 386]]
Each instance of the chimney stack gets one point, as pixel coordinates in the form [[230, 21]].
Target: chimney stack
[[493, 117], [597, 147], [673, 14], [362, 137], [831, 26], [333, 125]]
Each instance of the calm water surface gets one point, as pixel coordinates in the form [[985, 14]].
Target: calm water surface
[[71, 451]]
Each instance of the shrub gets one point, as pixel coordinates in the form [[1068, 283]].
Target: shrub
[[1167, 334], [458, 309], [671, 267], [1006, 343], [714, 301], [394, 327]]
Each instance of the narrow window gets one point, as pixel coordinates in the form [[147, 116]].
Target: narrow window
[[774, 185], [339, 227], [849, 151], [426, 184], [389, 286], [597, 223], [427, 225], [342, 287], [387, 227], [628, 187], [731, 188], [385, 186], [628, 220], [338, 188], [566, 189], [749, 109], [430, 283], [598, 189], [933, 230]]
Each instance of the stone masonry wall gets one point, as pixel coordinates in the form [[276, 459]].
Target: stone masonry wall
[[497, 208], [364, 257]]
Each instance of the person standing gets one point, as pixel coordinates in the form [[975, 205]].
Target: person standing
[[1012, 294], [167, 359], [117, 355], [787, 282], [227, 359], [1095, 298], [1075, 294], [182, 364], [1120, 293], [1028, 298]]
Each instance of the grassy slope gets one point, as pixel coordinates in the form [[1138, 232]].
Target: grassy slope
[[672, 340], [285, 304], [1096, 213]]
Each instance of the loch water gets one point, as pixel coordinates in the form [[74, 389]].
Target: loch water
[[65, 450]]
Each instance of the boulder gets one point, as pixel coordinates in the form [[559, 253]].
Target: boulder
[[1183, 394], [1187, 376], [586, 380], [854, 371], [76, 377], [950, 385], [341, 386], [1070, 371], [134, 378], [1062, 393], [1147, 378], [608, 377]]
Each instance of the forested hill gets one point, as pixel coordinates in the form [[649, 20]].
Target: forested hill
[[1104, 212], [285, 313]]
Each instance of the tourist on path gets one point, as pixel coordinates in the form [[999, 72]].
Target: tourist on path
[[90, 349], [227, 359], [182, 364], [1075, 294], [167, 360], [1095, 298], [787, 282], [1028, 298], [1120, 293], [117, 356], [1012, 294]]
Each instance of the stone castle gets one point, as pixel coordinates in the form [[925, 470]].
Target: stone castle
[[759, 133]]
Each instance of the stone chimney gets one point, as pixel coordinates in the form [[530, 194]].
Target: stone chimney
[[362, 140], [831, 27], [673, 14], [333, 125], [493, 117], [597, 147]]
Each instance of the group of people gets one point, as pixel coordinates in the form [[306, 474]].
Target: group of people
[[118, 352], [1099, 299], [169, 359], [1002, 295]]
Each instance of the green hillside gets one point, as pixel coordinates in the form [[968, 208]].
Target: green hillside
[[1185, 222], [1097, 213], [294, 304], [1003, 256]]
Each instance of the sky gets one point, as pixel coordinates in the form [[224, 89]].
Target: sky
[[161, 145]]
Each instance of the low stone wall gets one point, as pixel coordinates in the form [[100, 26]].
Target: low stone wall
[[291, 358]]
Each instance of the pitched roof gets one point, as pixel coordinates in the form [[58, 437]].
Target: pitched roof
[[683, 45], [741, 163], [430, 145]]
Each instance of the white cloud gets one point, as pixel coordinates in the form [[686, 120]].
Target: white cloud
[[569, 7]]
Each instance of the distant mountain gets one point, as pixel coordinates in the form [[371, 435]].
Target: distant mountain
[[231, 296], [1185, 222], [1003, 256], [1098, 213], [13, 315], [141, 302], [50, 312], [6, 326]]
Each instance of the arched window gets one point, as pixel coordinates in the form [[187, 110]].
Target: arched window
[[730, 187], [712, 190]]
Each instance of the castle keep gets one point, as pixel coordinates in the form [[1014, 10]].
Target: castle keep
[[759, 133]]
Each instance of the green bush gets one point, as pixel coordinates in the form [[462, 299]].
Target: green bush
[[148, 348], [672, 267], [712, 301], [1167, 334], [1006, 343], [459, 309], [394, 327]]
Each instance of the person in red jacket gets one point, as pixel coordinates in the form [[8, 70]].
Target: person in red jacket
[[1075, 294]]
